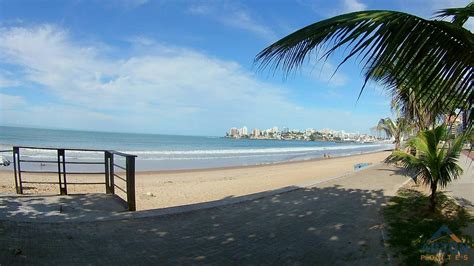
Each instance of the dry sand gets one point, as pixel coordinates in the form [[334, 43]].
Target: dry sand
[[174, 188]]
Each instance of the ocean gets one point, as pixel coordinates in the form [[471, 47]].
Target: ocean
[[173, 152]]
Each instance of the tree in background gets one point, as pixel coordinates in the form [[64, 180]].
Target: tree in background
[[395, 129]]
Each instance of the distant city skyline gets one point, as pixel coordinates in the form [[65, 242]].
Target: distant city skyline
[[308, 134], [177, 67], [249, 130]]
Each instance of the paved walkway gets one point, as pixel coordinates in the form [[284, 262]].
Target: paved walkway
[[334, 223], [463, 188], [55, 208]]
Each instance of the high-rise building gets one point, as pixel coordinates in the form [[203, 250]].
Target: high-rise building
[[234, 132], [256, 132], [243, 131]]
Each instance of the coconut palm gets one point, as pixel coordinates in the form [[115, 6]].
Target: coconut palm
[[405, 100], [441, 53], [395, 130], [435, 162]]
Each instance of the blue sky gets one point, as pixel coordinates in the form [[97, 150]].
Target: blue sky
[[177, 67]]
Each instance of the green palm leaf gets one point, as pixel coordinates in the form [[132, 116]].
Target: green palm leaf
[[460, 15], [441, 53]]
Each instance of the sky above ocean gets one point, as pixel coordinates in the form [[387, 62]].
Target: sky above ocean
[[178, 67]]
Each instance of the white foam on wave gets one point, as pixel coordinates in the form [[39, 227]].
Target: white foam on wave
[[257, 151], [211, 154]]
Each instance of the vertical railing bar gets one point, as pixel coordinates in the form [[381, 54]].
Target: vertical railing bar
[[59, 172], [19, 172], [15, 161], [111, 174], [106, 170], [64, 172], [130, 165]]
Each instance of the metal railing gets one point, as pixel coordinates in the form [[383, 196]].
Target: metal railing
[[109, 172]]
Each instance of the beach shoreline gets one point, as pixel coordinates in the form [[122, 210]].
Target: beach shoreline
[[219, 168], [161, 189]]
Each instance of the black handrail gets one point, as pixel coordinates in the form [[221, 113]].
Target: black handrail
[[42, 161]]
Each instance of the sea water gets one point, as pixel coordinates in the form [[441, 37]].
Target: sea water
[[173, 152]]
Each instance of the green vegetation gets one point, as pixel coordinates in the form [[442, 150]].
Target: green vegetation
[[411, 222], [434, 163], [317, 136]]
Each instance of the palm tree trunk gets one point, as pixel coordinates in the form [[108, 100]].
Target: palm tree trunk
[[434, 186], [397, 142]]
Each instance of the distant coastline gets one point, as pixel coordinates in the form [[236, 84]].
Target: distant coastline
[[310, 134]]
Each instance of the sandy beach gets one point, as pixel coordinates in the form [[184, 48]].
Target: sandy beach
[[174, 188]]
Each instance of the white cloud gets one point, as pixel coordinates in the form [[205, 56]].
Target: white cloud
[[7, 80], [234, 16], [352, 6], [125, 4], [11, 101], [168, 84], [58, 115], [337, 7], [241, 19], [326, 72], [167, 89], [200, 9], [440, 4]]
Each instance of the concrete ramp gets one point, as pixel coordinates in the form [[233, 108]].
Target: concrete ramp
[[55, 208]]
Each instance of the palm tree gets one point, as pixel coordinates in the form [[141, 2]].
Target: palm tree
[[441, 53], [405, 100], [435, 162], [395, 130]]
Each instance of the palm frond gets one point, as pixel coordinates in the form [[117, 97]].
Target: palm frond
[[441, 53], [405, 100], [411, 163], [387, 126], [460, 15], [450, 169]]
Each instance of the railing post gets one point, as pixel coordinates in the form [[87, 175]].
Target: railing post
[[130, 165], [106, 171], [17, 170], [62, 172], [111, 174]]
